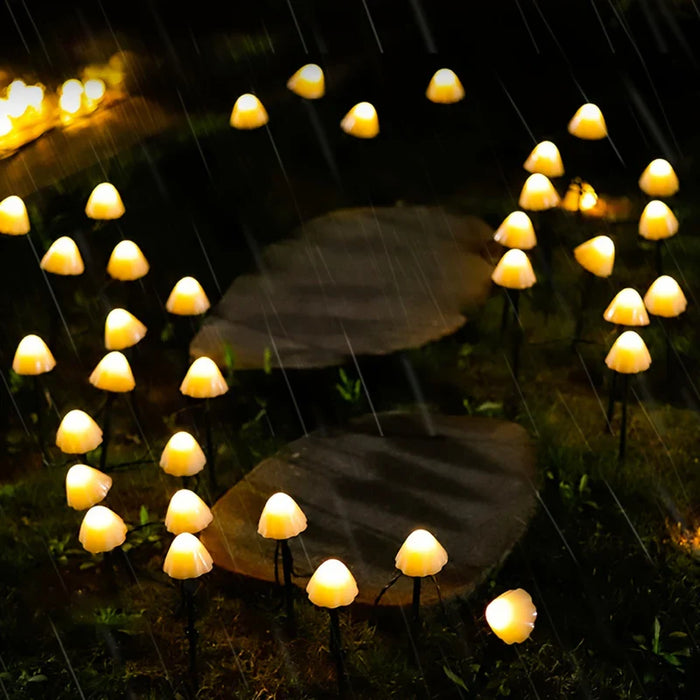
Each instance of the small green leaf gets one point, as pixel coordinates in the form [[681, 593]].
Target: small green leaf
[[143, 515], [38, 678], [455, 678], [267, 361]]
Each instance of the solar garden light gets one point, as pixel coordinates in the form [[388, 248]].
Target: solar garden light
[[127, 262], [280, 520], [665, 299], [308, 82], [14, 220], [333, 586], [545, 159], [104, 203], [657, 223], [188, 559], [512, 616], [361, 121], [101, 532], [588, 123], [597, 257], [205, 381], [445, 87], [122, 330], [186, 300], [112, 374], [187, 512], [516, 231], [513, 273], [538, 195], [86, 487], [33, 358], [63, 258], [628, 355], [248, 113], [659, 179], [78, 434], [182, 456], [420, 556]]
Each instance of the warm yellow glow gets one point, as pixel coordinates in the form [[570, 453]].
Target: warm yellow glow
[[95, 89], [104, 203], [588, 199], [545, 159], [629, 354], [627, 309], [538, 194], [445, 87], [512, 616], [14, 220], [332, 585], [127, 262], [187, 558], [63, 258], [78, 433], [248, 113], [659, 179], [514, 271], [70, 102], [102, 530], [113, 373], [657, 222], [33, 356], [86, 486], [182, 456], [516, 231], [596, 255], [122, 330], [72, 87], [187, 512], [34, 96], [187, 298], [308, 82], [5, 125], [203, 380], [361, 121], [17, 103], [665, 298], [420, 555], [588, 123], [281, 518]]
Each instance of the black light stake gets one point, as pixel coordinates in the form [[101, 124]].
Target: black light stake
[[336, 649], [188, 590], [623, 423]]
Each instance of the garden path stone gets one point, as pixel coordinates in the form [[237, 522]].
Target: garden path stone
[[367, 281], [469, 480]]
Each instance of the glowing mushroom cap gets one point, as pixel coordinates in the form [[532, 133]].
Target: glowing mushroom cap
[[332, 585], [665, 298], [516, 231], [514, 271], [78, 433], [101, 530], [72, 87], [512, 616], [187, 558], [104, 203], [659, 179], [308, 82], [538, 194], [32, 356], [361, 121], [203, 380], [14, 220], [597, 255], [545, 159], [113, 373], [657, 221], [122, 330], [95, 89], [445, 87], [248, 113], [627, 309], [182, 455], [187, 512], [588, 123], [420, 555], [127, 262], [281, 518], [629, 354], [579, 197], [63, 258], [85, 486], [187, 298]]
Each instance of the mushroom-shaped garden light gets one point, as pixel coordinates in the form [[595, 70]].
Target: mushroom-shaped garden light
[[14, 220], [187, 512], [102, 530], [659, 179], [127, 262], [512, 616], [86, 487], [63, 258], [78, 434], [445, 87], [516, 231], [588, 123], [308, 82], [182, 456], [657, 223], [104, 203], [545, 159], [361, 121], [248, 113], [122, 330]]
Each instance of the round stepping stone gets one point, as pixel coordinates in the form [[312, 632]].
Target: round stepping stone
[[468, 480], [366, 281]]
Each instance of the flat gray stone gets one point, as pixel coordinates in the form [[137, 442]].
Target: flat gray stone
[[468, 480], [367, 281]]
